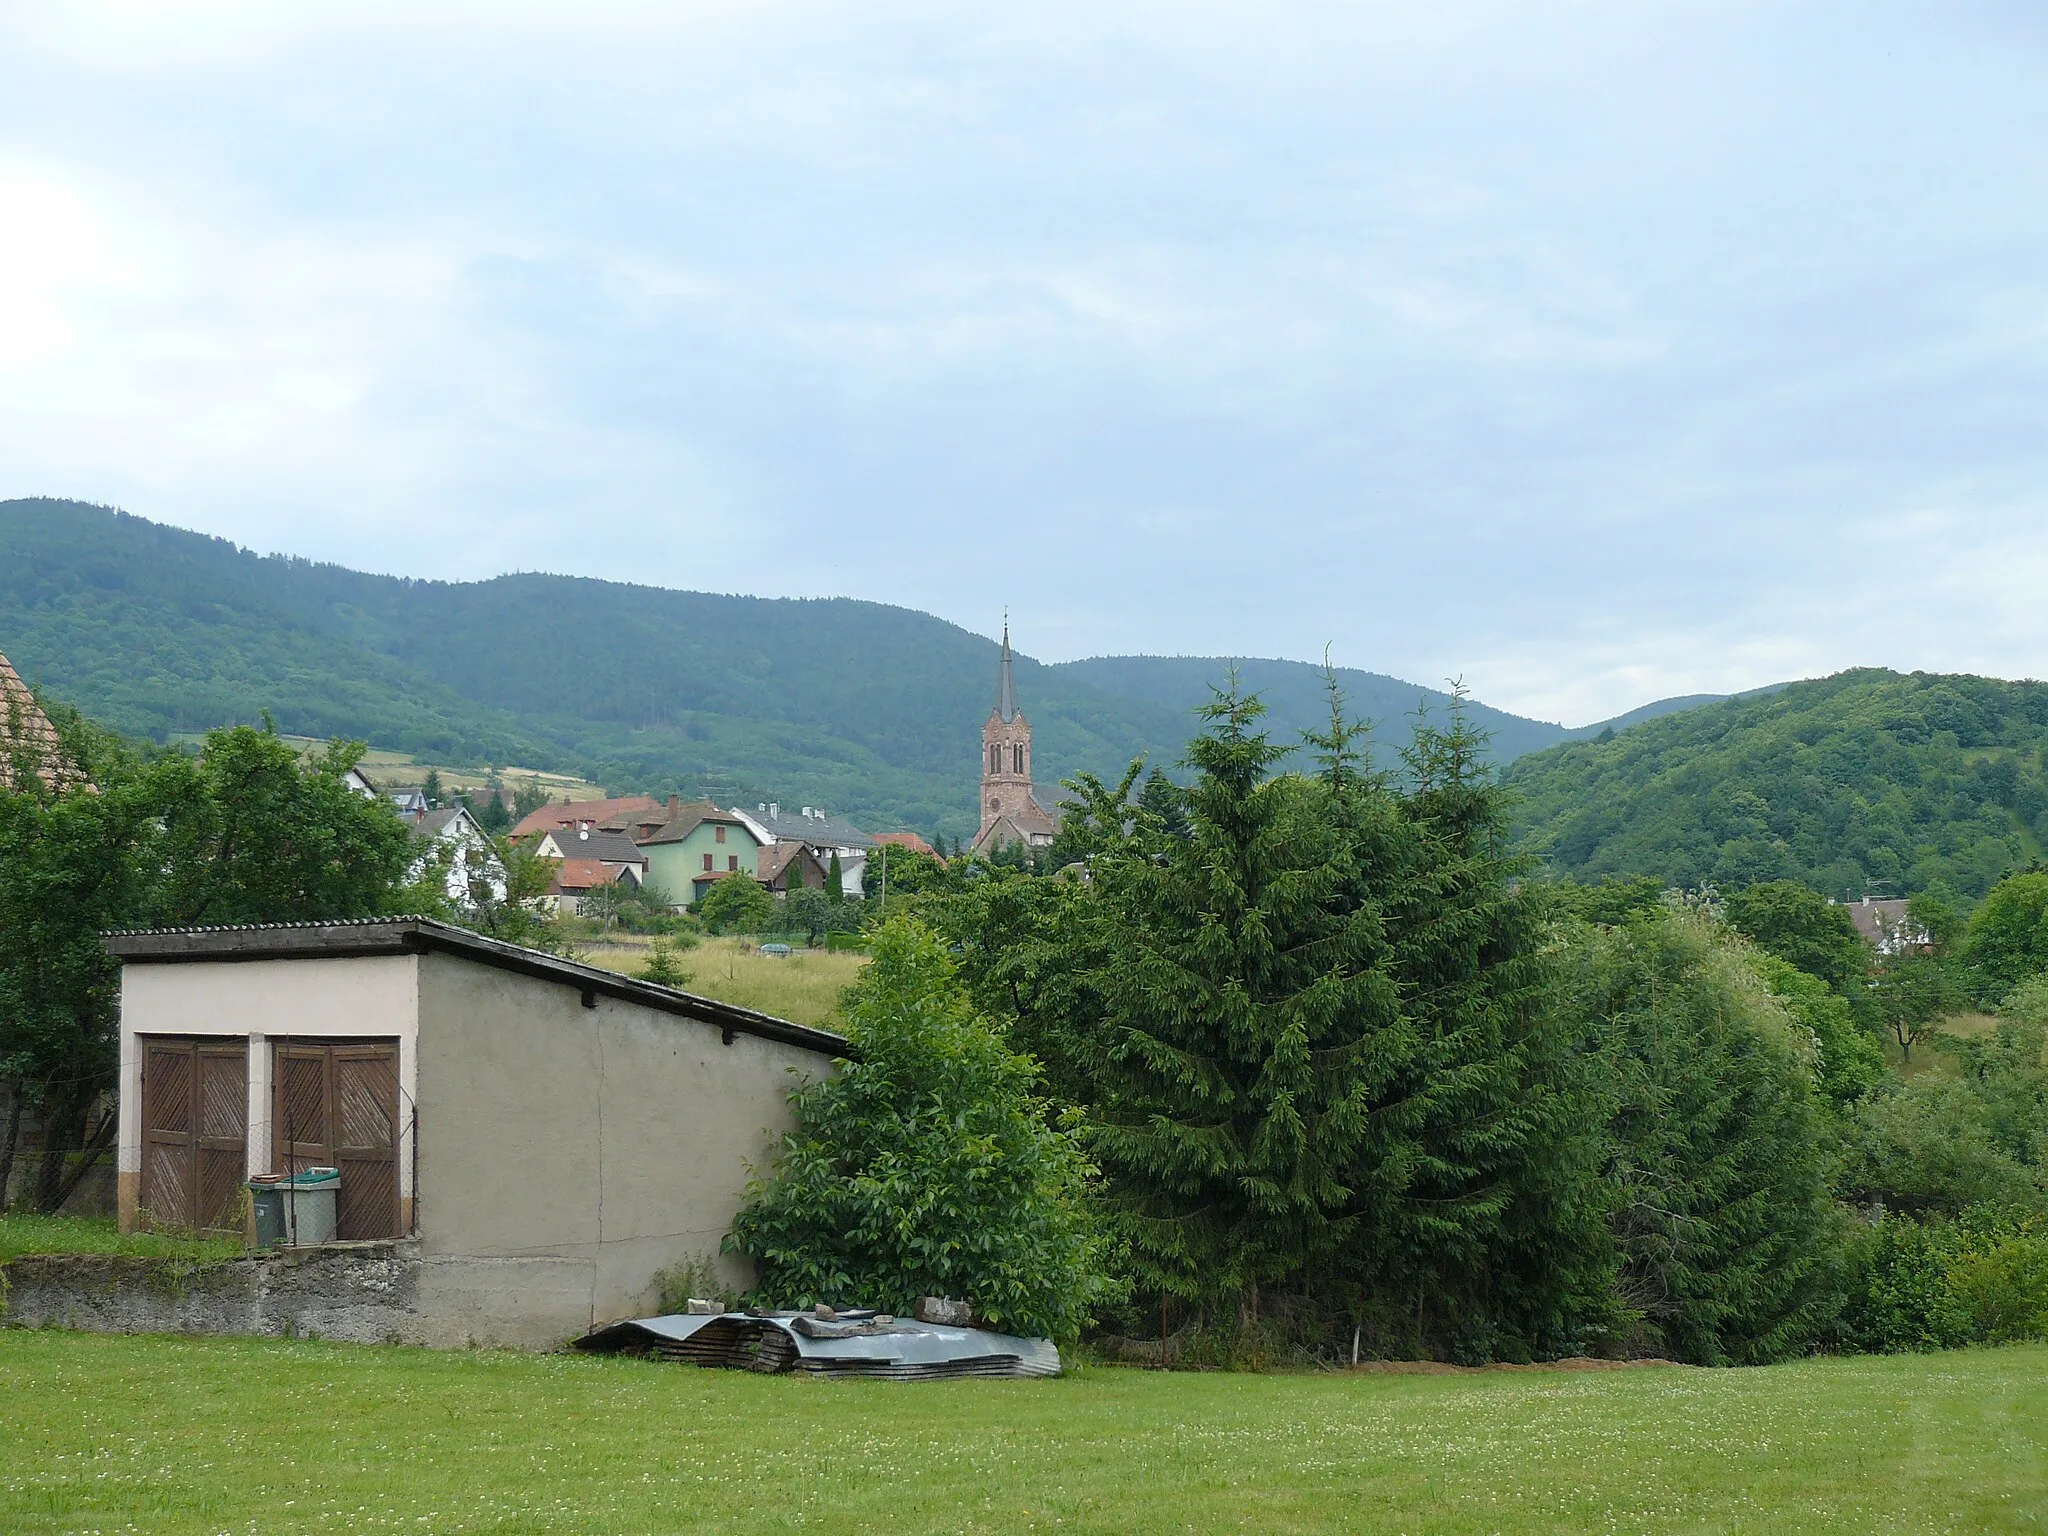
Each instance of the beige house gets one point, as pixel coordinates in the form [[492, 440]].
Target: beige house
[[535, 1139]]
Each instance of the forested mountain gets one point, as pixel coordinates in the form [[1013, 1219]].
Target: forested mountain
[[1297, 699], [871, 710], [1868, 781]]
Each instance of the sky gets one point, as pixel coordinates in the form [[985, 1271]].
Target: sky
[[1590, 353]]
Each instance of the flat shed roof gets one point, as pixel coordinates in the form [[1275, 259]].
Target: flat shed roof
[[421, 935]]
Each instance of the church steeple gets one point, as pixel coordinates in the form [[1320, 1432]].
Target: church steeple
[[1006, 686], [1010, 812]]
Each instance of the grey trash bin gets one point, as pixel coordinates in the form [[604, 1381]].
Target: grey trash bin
[[306, 1206]]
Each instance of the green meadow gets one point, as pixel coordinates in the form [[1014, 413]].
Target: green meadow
[[169, 1435]]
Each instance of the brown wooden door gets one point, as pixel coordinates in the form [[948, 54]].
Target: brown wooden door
[[366, 1139], [195, 1123], [337, 1107]]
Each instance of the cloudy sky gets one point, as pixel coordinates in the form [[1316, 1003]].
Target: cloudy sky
[[1590, 352]]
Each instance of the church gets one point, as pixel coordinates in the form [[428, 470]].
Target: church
[[1011, 811]]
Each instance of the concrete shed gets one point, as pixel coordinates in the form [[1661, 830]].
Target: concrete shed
[[534, 1137]]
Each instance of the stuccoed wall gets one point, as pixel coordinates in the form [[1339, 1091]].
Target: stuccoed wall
[[568, 1154]]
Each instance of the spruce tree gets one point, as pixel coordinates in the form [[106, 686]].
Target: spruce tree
[[1482, 1209], [1245, 1018]]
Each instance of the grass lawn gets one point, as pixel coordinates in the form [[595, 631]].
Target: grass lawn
[[203, 1435], [802, 987], [21, 1234]]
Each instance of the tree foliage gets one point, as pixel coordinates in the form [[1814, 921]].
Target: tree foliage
[[248, 832], [1714, 1162], [2008, 935], [925, 1165], [737, 904], [1310, 1032], [1804, 929], [1865, 781]]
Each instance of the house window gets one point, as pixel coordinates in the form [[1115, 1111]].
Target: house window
[[718, 833], [707, 862], [732, 861]]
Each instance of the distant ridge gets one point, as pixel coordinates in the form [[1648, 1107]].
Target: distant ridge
[[1868, 782], [870, 710]]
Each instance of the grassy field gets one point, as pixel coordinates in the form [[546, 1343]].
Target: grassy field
[[172, 1435], [21, 1233], [803, 987]]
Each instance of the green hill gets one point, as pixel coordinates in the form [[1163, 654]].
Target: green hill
[[1865, 781], [871, 710], [1296, 698]]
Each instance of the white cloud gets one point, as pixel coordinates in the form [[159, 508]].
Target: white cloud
[[1589, 352]]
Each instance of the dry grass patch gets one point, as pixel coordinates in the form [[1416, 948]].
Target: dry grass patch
[[803, 986]]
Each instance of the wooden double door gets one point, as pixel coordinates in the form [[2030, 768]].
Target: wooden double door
[[195, 1132], [336, 1106]]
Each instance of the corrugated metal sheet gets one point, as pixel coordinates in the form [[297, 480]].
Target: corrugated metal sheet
[[849, 1344]]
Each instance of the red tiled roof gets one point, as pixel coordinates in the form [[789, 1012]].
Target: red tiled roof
[[908, 840], [582, 875], [568, 813]]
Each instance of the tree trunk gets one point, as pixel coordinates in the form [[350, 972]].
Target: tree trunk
[[90, 1155], [17, 1093], [63, 1130]]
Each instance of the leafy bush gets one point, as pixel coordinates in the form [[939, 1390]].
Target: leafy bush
[[925, 1166], [1941, 1284], [1715, 1165], [1943, 1145], [2008, 939], [737, 904]]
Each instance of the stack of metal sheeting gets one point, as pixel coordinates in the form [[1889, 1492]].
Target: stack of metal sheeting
[[839, 1344]]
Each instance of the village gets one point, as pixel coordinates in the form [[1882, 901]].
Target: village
[[1474, 962], [541, 1086]]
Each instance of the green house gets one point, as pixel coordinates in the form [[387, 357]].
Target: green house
[[697, 846]]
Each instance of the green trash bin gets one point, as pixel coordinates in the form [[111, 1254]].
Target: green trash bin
[[305, 1207]]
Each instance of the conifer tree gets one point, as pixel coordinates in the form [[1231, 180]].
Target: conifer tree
[[1477, 1220], [1245, 1018]]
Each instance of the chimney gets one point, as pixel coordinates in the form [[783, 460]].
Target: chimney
[[774, 810], [675, 803]]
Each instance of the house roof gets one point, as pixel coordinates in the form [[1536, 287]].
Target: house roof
[[1883, 921], [599, 813], [420, 935], [434, 823], [686, 817], [789, 824], [908, 840], [611, 847], [583, 875], [776, 857], [24, 728]]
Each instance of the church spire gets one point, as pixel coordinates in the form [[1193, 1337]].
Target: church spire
[[1006, 689]]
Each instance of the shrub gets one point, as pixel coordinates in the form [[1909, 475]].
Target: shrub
[[925, 1166], [737, 904], [1940, 1284], [663, 967], [1715, 1165]]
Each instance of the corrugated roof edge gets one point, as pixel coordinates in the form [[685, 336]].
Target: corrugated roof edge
[[416, 935]]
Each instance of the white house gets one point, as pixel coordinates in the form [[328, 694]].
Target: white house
[[473, 866]]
